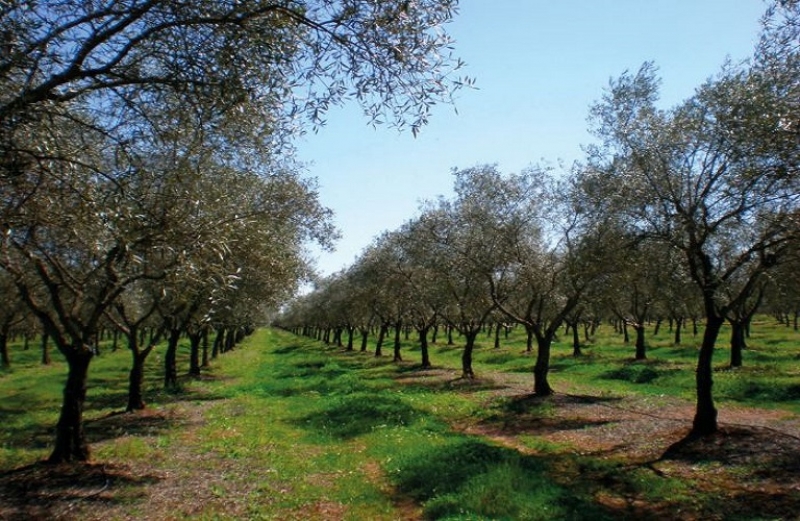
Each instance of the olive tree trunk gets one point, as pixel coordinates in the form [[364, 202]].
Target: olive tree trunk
[[70, 439]]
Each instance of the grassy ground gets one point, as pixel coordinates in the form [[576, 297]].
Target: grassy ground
[[287, 428]]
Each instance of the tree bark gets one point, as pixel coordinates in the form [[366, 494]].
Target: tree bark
[[204, 362], [541, 387], [423, 346], [705, 419], [170, 360], [70, 439], [576, 340], [364, 337], [216, 347], [5, 359], [230, 340], [381, 335], [194, 353], [135, 380], [466, 356], [529, 339], [678, 327], [136, 374], [641, 347]]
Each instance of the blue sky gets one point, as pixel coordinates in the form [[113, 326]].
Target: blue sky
[[538, 65]]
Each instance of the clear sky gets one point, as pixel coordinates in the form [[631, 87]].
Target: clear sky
[[538, 65]]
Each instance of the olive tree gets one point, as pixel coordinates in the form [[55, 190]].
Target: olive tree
[[635, 292], [714, 177], [438, 241], [533, 249], [72, 249], [425, 298]]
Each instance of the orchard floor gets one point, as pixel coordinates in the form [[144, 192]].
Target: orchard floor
[[752, 466]]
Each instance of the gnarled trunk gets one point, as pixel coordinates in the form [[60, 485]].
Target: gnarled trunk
[[135, 380], [70, 439], [397, 330], [381, 335], [423, 346], [46, 348], [541, 387], [466, 356], [194, 353], [204, 362], [705, 419], [5, 359], [576, 340], [678, 327], [170, 360], [529, 339], [641, 346], [216, 347]]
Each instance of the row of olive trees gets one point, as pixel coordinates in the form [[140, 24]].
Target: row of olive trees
[[690, 208], [145, 161]]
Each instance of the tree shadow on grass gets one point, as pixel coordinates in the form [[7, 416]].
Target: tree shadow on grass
[[431, 381], [532, 414], [99, 425], [42, 491], [765, 463], [760, 450], [313, 368], [473, 479], [147, 422], [637, 372], [359, 414], [285, 350], [414, 369]]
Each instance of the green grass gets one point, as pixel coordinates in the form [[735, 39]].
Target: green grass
[[291, 425]]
